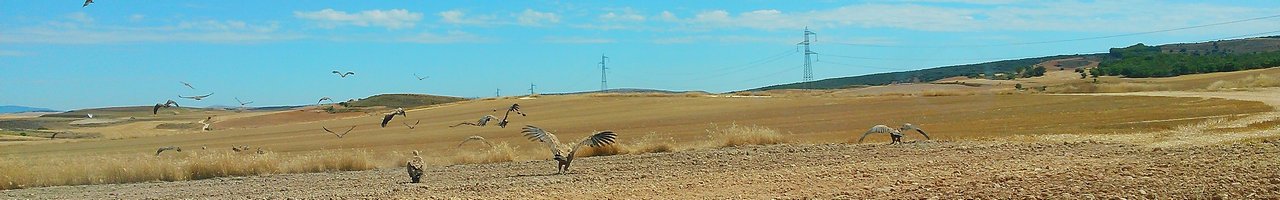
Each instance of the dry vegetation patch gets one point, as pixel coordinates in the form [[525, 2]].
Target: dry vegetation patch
[[496, 153], [735, 135]]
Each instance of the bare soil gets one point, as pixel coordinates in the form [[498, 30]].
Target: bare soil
[[974, 169]]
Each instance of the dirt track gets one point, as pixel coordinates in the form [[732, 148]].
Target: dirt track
[[922, 170]]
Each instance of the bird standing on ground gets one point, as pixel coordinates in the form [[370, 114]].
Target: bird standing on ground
[[595, 140], [482, 122], [387, 117], [197, 98], [415, 166], [344, 75], [339, 135], [166, 104], [475, 138], [895, 134], [162, 149]]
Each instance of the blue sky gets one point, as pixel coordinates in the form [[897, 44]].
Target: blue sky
[[59, 55]]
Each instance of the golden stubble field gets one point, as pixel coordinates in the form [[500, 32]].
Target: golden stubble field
[[680, 122]]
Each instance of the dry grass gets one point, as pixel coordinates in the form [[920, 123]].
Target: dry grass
[[499, 152], [1255, 81], [940, 93], [735, 135], [189, 165], [647, 144]]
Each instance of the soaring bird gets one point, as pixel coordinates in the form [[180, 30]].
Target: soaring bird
[[197, 98], [483, 121], [421, 77], [595, 140], [322, 99], [187, 84], [344, 75], [387, 117], [156, 109], [474, 138], [344, 133], [415, 124], [162, 149], [895, 134], [514, 107], [415, 166], [86, 3], [242, 103], [206, 122]]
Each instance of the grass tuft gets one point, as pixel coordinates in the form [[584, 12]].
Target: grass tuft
[[499, 152], [735, 135]]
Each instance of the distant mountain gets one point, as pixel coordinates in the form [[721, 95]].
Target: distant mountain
[[1221, 47], [626, 90], [22, 109]]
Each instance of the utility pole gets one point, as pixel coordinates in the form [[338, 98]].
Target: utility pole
[[808, 64], [531, 85], [604, 81], [497, 93]]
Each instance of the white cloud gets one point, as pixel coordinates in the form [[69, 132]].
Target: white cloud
[[12, 53], [137, 17], [722, 39], [80, 17], [391, 19], [577, 40], [460, 17], [210, 31], [531, 17], [449, 37], [668, 16], [626, 15]]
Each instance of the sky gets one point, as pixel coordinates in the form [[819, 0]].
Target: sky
[[57, 54]]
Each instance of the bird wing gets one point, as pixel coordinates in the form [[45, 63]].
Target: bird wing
[[875, 129], [909, 126], [187, 84], [387, 118], [86, 3], [349, 130], [337, 72], [156, 109], [485, 120], [473, 137], [175, 103], [207, 95], [538, 135], [595, 140]]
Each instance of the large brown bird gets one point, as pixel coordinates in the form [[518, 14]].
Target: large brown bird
[[387, 117], [197, 98], [415, 166], [595, 140], [514, 107], [166, 104], [326, 129], [482, 122], [162, 149], [895, 134]]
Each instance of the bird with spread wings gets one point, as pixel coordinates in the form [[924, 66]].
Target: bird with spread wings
[[166, 104], [197, 98], [482, 122], [514, 107], [387, 117], [344, 133], [344, 75], [557, 150], [895, 134]]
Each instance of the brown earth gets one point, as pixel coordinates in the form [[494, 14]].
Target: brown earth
[[976, 169]]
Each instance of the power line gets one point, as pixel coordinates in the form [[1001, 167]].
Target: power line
[[1068, 40], [746, 67], [604, 83], [808, 64]]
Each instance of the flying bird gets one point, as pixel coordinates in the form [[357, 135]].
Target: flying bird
[[162, 149], [322, 99], [595, 140], [474, 138], [86, 3], [55, 135], [197, 98], [156, 109], [415, 166], [415, 124], [421, 77], [344, 75], [187, 84], [206, 122], [387, 117], [483, 121], [90, 115], [514, 107], [344, 133], [895, 134], [242, 103]]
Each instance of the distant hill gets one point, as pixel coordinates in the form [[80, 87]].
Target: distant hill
[[23, 109], [402, 100], [626, 90], [1223, 47]]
